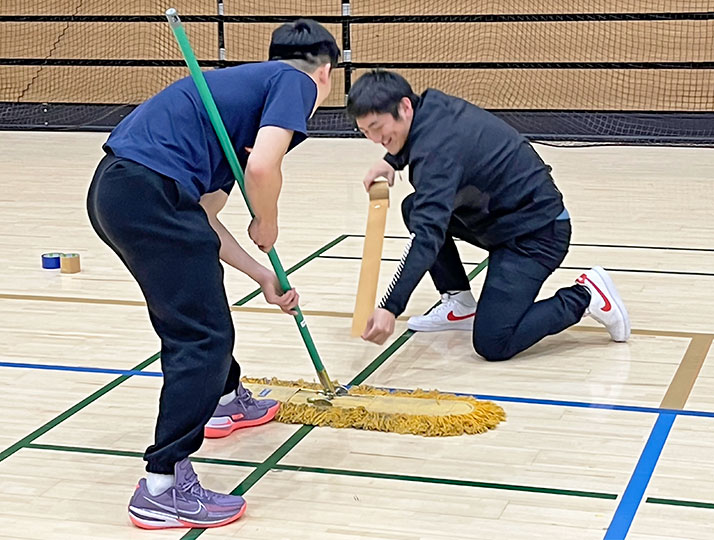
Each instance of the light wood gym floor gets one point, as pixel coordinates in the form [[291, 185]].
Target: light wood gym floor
[[578, 457]]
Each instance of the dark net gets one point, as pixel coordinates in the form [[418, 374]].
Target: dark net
[[592, 70]]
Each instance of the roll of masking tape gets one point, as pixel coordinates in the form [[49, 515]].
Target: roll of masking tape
[[69, 263], [51, 261]]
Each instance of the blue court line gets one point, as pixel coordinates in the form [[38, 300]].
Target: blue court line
[[588, 405], [107, 371], [630, 501], [505, 399], [575, 404]]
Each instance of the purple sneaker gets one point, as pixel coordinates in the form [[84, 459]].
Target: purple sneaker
[[244, 411], [186, 504]]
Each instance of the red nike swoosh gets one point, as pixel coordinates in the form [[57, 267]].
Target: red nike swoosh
[[453, 317], [607, 307], [236, 417]]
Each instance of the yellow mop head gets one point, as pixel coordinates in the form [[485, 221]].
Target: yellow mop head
[[418, 412]]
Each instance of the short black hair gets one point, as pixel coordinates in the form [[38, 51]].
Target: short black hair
[[379, 91], [304, 39]]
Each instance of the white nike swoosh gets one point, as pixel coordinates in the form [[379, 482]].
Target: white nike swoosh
[[173, 510]]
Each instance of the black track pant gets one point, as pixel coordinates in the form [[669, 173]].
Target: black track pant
[[163, 237], [508, 319]]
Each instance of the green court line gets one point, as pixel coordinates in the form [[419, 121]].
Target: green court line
[[300, 434], [84, 450], [129, 453], [72, 410], [448, 481], [377, 362], [479, 268], [272, 464], [275, 457], [260, 471], [295, 267], [677, 502], [280, 453], [119, 380]]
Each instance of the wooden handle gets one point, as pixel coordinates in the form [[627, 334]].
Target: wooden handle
[[371, 257]]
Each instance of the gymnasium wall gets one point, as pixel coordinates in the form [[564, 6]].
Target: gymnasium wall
[[637, 57]]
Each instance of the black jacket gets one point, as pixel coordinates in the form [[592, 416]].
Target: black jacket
[[471, 170]]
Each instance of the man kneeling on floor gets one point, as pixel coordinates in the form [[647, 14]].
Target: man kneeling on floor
[[477, 179]]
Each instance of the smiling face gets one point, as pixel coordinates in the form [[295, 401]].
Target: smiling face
[[384, 129]]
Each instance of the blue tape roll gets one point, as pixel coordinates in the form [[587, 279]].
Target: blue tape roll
[[51, 261]]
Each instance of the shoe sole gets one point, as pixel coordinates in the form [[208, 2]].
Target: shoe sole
[[447, 329], [616, 298], [218, 433], [465, 325], [176, 523]]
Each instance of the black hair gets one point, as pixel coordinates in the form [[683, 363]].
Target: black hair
[[304, 39], [379, 91]]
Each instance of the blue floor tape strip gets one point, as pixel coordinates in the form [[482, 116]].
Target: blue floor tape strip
[[503, 399], [586, 405], [630, 501], [574, 404], [108, 371]]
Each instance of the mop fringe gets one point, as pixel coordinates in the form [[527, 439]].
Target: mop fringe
[[485, 415]]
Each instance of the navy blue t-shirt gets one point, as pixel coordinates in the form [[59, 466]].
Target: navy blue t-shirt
[[171, 134]]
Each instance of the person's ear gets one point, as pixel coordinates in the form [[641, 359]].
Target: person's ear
[[405, 107], [324, 73]]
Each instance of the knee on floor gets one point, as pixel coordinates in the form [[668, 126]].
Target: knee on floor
[[491, 349]]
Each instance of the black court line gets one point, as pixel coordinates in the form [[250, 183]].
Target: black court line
[[159, 62], [538, 65], [663, 248], [643, 271], [579, 268], [373, 19], [119, 380], [615, 246], [295, 267]]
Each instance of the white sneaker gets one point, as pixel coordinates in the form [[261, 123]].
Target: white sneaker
[[456, 312], [606, 305]]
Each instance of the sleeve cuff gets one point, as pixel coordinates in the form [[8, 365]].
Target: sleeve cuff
[[393, 307]]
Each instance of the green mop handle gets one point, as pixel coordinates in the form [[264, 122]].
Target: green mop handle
[[229, 151]]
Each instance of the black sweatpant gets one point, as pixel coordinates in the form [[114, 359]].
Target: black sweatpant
[[163, 237], [508, 320]]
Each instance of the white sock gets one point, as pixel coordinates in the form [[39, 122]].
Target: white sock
[[464, 297], [225, 400], [158, 483]]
